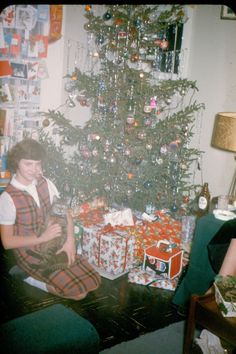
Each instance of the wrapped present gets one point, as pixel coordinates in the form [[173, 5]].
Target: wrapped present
[[148, 234], [149, 277], [164, 258], [120, 217], [98, 203], [225, 294], [110, 250], [92, 217]]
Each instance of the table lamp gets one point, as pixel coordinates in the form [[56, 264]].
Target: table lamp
[[224, 137]]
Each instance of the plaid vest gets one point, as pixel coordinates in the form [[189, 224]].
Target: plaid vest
[[29, 217]]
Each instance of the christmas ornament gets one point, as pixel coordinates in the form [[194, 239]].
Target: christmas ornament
[[88, 8], [149, 146], [130, 120], [118, 21], [148, 184], [112, 159], [134, 57], [147, 121], [127, 152], [70, 86], [141, 135], [185, 199], [107, 16], [137, 23], [100, 39], [130, 175], [174, 208], [153, 102], [164, 44], [122, 35], [46, 122], [147, 109]]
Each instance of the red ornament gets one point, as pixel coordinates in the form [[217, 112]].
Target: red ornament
[[164, 44], [185, 199], [122, 34], [118, 21]]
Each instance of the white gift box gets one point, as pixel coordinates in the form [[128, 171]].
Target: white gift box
[[122, 217], [149, 277], [228, 308]]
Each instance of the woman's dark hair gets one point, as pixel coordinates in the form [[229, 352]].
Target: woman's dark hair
[[28, 149]]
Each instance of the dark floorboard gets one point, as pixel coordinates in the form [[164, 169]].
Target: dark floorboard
[[119, 310]]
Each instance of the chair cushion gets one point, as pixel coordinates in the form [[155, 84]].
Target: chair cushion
[[55, 329]]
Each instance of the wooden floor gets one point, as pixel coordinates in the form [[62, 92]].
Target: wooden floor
[[119, 310]]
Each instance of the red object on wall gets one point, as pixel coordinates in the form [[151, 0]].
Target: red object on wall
[[56, 14]]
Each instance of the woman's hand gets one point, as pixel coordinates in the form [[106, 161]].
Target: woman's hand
[[70, 250], [52, 231]]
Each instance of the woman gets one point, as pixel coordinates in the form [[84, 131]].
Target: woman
[[43, 248]]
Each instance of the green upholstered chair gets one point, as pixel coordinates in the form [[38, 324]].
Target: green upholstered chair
[[55, 329]]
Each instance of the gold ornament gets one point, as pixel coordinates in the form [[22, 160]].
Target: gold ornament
[[46, 122], [88, 8]]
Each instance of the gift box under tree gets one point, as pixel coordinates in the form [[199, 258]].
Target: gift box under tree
[[164, 258], [109, 249]]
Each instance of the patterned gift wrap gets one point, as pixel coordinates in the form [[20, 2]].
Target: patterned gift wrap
[[149, 233], [110, 250], [149, 277], [91, 217], [227, 307], [165, 258]]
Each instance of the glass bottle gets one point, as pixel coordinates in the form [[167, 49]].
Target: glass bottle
[[204, 200]]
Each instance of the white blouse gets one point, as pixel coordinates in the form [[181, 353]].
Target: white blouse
[[7, 206]]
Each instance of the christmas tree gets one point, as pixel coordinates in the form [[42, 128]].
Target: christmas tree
[[134, 150]]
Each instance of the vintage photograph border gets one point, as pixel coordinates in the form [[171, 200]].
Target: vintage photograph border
[[227, 13]]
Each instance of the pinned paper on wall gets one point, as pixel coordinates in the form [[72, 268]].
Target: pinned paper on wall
[[5, 68], [26, 17], [19, 70], [42, 44], [42, 70], [8, 16], [56, 12], [2, 40], [7, 93], [43, 13], [15, 44], [32, 70], [2, 121]]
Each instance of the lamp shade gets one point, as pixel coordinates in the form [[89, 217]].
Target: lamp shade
[[224, 132]]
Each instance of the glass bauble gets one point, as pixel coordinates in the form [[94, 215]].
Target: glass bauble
[[148, 184], [69, 86], [107, 16], [46, 122]]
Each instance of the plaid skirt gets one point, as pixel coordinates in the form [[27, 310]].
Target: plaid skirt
[[72, 282]]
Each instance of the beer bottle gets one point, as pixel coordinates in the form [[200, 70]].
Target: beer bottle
[[204, 200]]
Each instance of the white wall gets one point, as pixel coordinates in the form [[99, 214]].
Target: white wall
[[212, 63], [51, 88], [210, 59]]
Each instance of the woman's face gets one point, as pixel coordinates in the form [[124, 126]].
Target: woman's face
[[28, 170]]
